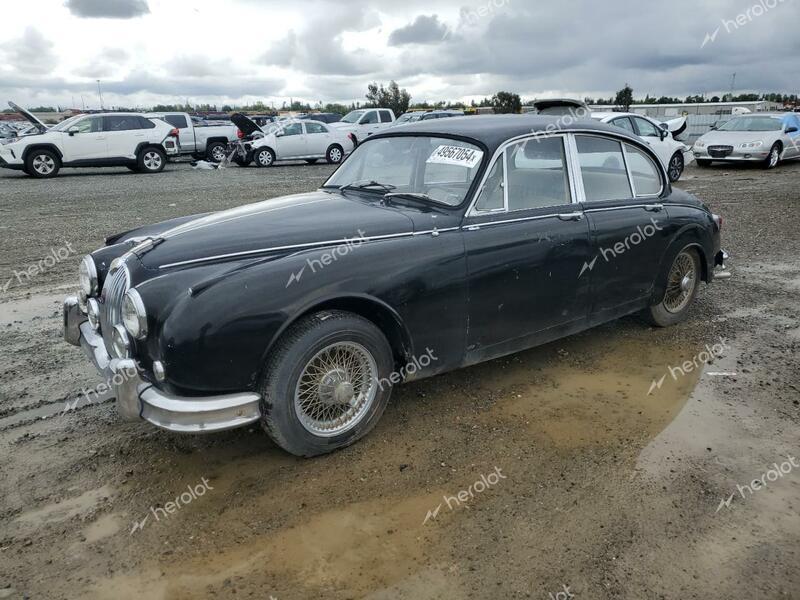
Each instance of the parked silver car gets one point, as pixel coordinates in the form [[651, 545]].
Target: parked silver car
[[757, 137]]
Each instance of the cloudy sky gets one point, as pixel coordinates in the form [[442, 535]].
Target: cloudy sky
[[223, 51]]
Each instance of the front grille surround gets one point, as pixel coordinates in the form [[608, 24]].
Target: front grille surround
[[720, 151], [117, 283]]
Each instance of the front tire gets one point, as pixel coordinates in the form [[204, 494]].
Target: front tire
[[675, 168], [42, 164], [264, 157], [683, 280], [322, 387], [151, 160], [774, 157]]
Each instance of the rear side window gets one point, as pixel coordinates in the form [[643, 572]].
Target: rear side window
[[624, 123], [146, 123], [645, 174], [386, 116], [602, 168], [178, 121], [121, 123], [315, 128]]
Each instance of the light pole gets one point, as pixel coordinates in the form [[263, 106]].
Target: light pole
[[99, 93]]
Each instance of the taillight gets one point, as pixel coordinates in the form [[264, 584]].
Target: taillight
[[352, 137], [240, 134], [718, 220], [175, 132]]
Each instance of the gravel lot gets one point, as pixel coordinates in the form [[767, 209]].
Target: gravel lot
[[599, 490]]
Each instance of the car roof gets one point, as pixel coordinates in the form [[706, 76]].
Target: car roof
[[494, 130]]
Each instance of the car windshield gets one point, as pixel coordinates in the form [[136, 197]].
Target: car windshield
[[752, 124], [65, 124], [426, 168], [352, 116]]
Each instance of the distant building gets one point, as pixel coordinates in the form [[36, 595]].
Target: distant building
[[671, 111]]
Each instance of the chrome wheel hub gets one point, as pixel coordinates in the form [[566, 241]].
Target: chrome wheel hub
[[336, 156], [152, 161], [336, 389], [43, 164], [681, 283], [218, 153]]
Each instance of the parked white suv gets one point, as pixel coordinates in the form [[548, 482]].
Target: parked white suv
[[364, 122], [94, 140]]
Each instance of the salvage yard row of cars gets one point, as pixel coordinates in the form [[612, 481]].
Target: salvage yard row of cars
[[217, 321], [144, 142]]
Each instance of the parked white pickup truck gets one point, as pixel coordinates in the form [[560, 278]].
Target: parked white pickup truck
[[207, 142], [363, 122]]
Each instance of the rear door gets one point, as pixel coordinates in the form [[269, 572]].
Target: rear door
[[526, 239], [87, 140], [123, 133], [621, 187]]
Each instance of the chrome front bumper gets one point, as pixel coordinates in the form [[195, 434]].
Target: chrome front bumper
[[139, 399]]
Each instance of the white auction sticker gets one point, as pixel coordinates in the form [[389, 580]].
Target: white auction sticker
[[456, 155]]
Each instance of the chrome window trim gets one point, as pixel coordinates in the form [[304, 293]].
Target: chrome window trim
[[472, 211], [628, 169]]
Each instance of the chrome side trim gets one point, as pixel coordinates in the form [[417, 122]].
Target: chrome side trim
[[626, 207], [478, 226]]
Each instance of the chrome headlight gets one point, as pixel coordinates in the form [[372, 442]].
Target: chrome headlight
[[120, 342], [134, 315], [700, 144], [87, 276], [93, 313]]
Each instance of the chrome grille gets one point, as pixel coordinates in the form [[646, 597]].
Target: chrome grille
[[116, 284]]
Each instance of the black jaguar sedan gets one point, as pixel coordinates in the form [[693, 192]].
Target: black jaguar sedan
[[434, 246]]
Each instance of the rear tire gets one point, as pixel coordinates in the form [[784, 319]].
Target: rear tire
[[151, 160], [675, 167], [42, 164], [774, 157], [703, 162], [334, 155], [682, 282], [215, 152], [321, 389]]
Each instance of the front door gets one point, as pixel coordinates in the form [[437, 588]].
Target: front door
[[86, 140], [291, 142], [526, 241]]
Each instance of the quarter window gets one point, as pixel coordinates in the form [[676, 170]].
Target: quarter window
[[146, 123], [645, 174], [492, 194], [602, 168], [178, 121]]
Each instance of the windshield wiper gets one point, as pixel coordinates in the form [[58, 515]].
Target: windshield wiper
[[366, 185], [416, 198]]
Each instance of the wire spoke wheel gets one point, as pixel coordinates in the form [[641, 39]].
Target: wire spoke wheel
[[680, 283], [336, 389]]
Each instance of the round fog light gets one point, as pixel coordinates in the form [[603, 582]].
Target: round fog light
[[120, 342], [159, 371], [93, 312]]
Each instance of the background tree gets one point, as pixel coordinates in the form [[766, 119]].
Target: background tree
[[392, 97], [624, 98], [506, 102]]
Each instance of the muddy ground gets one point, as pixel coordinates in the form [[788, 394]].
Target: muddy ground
[[579, 478]]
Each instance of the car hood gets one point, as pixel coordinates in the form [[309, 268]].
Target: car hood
[[738, 137], [246, 125], [36, 122], [275, 226]]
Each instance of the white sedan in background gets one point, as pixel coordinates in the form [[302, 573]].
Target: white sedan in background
[[296, 140]]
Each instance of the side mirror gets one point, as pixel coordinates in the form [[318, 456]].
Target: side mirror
[[73, 130], [279, 133], [714, 127], [791, 129], [663, 133]]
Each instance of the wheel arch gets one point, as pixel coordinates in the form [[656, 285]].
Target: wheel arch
[[45, 146], [380, 314], [689, 236]]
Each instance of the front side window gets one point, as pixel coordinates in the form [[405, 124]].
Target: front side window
[[89, 125], [537, 174], [353, 116], [293, 129], [602, 168], [646, 128], [370, 118], [431, 169], [645, 174]]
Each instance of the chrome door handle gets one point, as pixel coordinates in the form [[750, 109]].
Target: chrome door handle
[[654, 207], [575, 216]]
